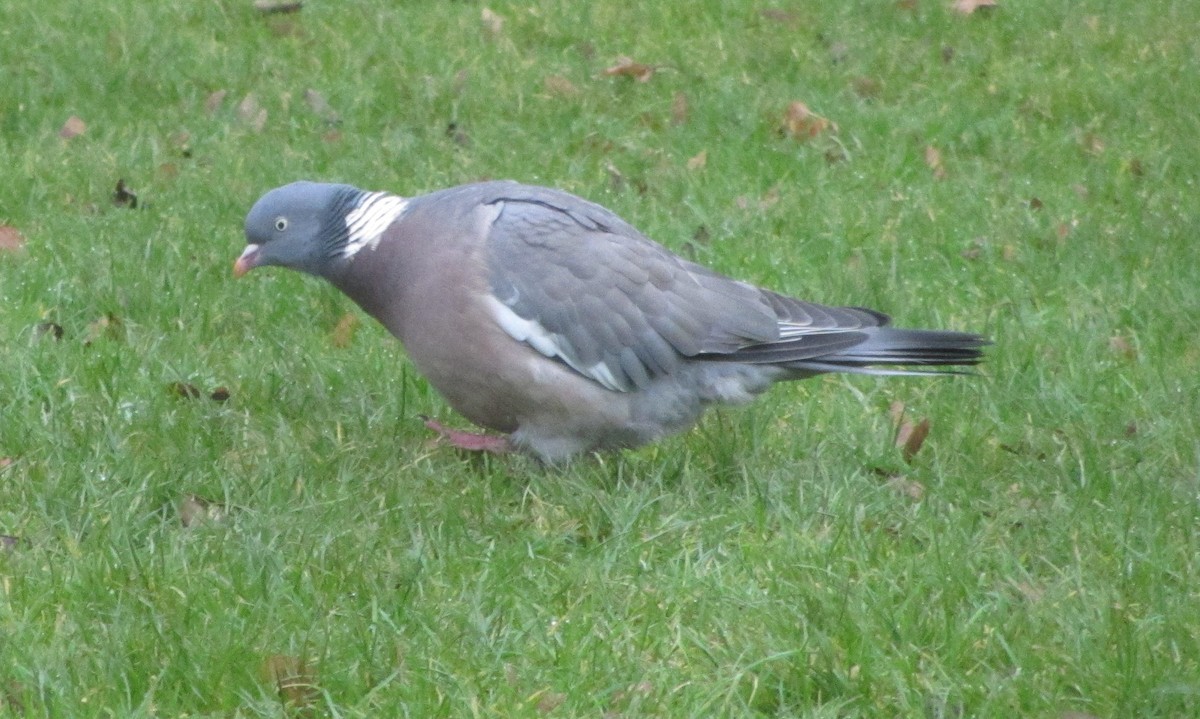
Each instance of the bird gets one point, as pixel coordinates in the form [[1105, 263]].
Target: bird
[[547, 318]]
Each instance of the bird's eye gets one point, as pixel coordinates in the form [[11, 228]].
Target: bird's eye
[[281, 223]]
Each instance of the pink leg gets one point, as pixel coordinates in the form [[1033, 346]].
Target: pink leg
[[469, 441]]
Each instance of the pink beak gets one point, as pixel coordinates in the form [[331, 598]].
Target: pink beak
[[247, 261]]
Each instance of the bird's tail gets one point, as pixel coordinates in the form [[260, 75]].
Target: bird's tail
[[894, 351]]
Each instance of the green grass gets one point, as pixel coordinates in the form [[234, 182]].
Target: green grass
[[760, 565]]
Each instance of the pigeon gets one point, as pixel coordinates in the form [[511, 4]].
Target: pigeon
[[549, 319]]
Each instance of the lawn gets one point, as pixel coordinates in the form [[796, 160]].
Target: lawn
[[217, 498]]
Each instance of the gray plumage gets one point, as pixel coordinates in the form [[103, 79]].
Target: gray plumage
[[545, 316]]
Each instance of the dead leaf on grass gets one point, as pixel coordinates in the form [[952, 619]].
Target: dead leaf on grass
[[910, 437], [559, 85], [53, 330], [251, 114], [906, 487], [11, 239], [968, 7], [277, 7], [679, 108], [213, 102], [293, 679], [320, 107], [698, 161], [626, 67], [124, 197], [801, 123], [220, 394], [1120, 345], [548, 701], [933, 158], [343, 331], [73, 127], [185, 390], [107, 326], [493, 23], [195, 510]]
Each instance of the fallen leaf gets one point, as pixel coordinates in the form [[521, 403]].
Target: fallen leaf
[[1131, 430], [1063, 229], [906, 487], [1036, 203], [911, 436], [947, 54], [9, 543], [967, 7], [1092, 143], [293, 679], [626, 67], [251, 114], [195, 510], [679, 108], [184, 389], [906, 4], [492, 23], [866, 87], [698, 161], [1119, 344], [559, 85], [124, 197], [782, 17], [549, 701], [6, 462], [458, 135], [107, 325], [320, 107], [53, 330], [1136, 168], [213, 102], [73, 127], [615, 179], [343, 331], [896, 412], [1008, 253], [800, 123], [274, 7], [933, 158], [11, 239], [220, 394]]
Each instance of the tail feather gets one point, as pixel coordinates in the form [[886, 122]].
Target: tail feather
[[919, 351]]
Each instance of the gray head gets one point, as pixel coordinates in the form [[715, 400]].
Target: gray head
[[301, 226]]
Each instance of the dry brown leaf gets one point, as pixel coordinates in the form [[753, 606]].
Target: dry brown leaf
[[251, 114], [933, 158], [896, 412], [906, 4], [906, 487], [213, 102], [195, 510], [967, 7], [492, 23], [679, 108], [1092, 143], [343, 331], [220, 394], [1119, 344], [275, 7], [866, 87], [457, 135], [185, 390], [911, 436], [107, 325], [293, 679], [698, 161], [53, 330], [782, 17], [124, 197], [559, 85], [800, 123], [626, 67], [549, 701], [73, 127], [11, 239], [1008, 253], [1063, 229], [320, 107]]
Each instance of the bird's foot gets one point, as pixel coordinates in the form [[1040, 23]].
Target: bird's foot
[[469, 441]]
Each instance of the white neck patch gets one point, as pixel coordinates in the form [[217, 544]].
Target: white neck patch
[[366, 223]]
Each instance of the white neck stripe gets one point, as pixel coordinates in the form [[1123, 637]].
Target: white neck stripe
[[366, 223]]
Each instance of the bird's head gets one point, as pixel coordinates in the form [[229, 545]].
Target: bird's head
[[301, 226]]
